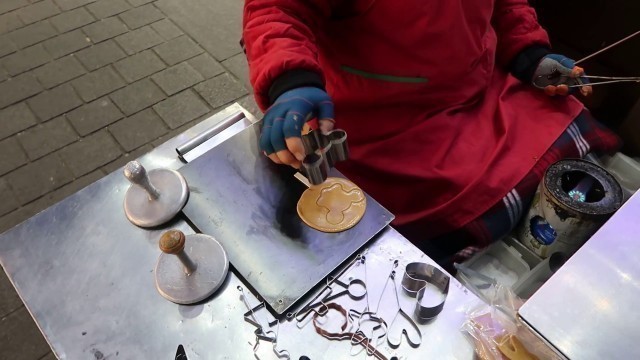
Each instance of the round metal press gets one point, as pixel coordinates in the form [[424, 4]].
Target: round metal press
[[191, 268], [155, 197]]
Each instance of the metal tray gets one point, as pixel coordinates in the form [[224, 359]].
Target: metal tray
[[249, 205]]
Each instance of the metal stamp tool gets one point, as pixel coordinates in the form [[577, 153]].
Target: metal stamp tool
[[323, 152], [414, 282], [190, 268], [154, 197]]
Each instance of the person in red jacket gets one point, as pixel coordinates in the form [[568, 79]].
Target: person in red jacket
[[446, 128]]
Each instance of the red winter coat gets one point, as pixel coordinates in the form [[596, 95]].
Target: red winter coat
[[438, 131]]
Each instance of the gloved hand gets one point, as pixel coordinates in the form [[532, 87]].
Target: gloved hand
[[282, 124], [555, 73]]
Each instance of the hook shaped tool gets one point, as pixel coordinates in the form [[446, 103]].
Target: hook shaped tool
[[394, 338], [556, 78]]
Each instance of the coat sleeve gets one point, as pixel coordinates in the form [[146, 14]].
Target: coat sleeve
[[517, 27], [280, 36]]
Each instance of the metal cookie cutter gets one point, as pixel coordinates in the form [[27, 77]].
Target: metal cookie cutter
[[323, 152], [356, 289], [393, 338], [414, 283]]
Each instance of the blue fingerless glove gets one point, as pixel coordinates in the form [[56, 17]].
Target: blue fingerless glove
[[291, 110], [554, 70]]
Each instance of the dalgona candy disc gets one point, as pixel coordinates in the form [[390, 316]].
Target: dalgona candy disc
[[333, 206]]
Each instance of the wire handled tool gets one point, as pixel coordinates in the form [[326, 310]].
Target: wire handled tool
[[556, 77]]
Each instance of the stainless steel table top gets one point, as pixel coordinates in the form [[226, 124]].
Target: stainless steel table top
[[587, 310], [86, 276]]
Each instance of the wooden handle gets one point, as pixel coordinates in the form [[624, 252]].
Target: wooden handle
[[172, 242]]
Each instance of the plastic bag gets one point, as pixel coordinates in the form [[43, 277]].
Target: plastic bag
[[498, 334]]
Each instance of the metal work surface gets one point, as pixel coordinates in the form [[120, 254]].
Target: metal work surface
[[86, 275], [249, 204], [588, 309]]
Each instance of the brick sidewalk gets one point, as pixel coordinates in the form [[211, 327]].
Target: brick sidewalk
[[86, 86]]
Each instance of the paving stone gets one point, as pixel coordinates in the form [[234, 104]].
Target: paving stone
[[38, 11], [100, 55], [139, 66], [20, 337], [206, 65], [72, 4], [138, 40], [90, 153], [249, 103], [15, 118], [68, 43], [124, 159], [167, 29], [33, 34], [3, 75], [181, 108], [38, 178], [105, 8], [9, 301], [59, 71], [71, 20], [239, 67], [46, 138], [105, 29], [141, 16], [137, 96], [8, 5], [11, 155], [139, 2], [8, 203], [220, 90], [9, 22], [216, 25], [72, 187], [26, 59], [94, 116], [177, 50], [138, 129], [49, 356], [97, 84], [6, 46], [18, 88], [177, 78], [47, 200], [16, 217], [54, 102]]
